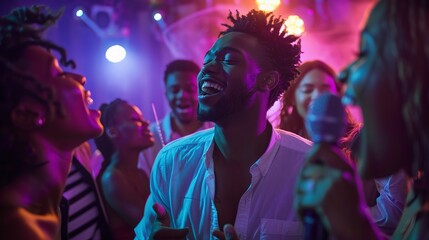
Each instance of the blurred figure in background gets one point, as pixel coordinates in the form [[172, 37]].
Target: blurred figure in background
[[181, 91], [45, 116], [124, 187], [389, 80]]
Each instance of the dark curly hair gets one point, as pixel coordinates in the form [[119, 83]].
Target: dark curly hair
[[18, 30], [283, 50], [181, 65]]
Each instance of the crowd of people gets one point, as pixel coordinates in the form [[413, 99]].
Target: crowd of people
[[214, 167]]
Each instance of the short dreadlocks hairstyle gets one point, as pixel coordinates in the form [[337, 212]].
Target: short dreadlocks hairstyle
[[283, 50], [18, 30]]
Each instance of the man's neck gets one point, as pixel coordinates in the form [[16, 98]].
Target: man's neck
[[243, 142], [41, 187], [184, 129], [39, 190]]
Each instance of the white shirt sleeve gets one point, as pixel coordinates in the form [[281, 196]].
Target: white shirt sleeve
[[390, 204]]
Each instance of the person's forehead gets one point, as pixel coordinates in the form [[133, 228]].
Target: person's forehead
[[238, 41], [317, 75], [182, 77], [136, 110], [125, 109]]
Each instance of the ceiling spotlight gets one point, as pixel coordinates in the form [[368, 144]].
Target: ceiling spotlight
[[157, 16], [79, 13], [116, 53]]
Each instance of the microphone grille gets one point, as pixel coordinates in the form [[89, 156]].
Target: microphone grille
[[326, 118]]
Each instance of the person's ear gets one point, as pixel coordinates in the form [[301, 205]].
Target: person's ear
[[28, 115], [111, 132], [269, 81]]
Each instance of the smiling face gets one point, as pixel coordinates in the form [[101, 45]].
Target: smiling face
[[311, 86], [74, 123], [371, 83], [227, 80], [182, 95], [131, 130]]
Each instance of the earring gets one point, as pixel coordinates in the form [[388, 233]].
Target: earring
[[40, 121]]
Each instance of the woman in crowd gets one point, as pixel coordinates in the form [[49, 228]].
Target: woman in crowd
[[389, 80], [124, 187], [385, 197], [44, 116], [315, 78]]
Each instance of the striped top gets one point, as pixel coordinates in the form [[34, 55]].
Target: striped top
[[81, 210]]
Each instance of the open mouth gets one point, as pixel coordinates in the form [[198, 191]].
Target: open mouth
[[211, 88], [184, 108]]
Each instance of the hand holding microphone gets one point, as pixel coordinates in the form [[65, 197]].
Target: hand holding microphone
[[326, 171]]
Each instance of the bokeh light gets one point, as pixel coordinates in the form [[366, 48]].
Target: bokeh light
[[294, 25], [267, 5], [157, 16], [116, 53]]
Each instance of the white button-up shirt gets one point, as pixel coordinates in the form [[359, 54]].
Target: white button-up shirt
[[165, 130], [183, 181]]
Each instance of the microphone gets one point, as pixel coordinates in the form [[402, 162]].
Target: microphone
[[326, 119], [325, 123]]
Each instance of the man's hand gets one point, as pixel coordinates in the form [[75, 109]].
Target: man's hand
[[161, 227], [227, 234]]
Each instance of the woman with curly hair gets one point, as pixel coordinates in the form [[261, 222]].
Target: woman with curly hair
[[45, 116]]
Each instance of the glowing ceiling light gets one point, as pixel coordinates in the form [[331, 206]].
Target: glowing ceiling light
[[267, 5], [157, 16], [79, 13], [116, 53], [294, 25]]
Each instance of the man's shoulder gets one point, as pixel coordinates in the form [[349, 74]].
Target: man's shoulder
[[293, 141], [197, 138]]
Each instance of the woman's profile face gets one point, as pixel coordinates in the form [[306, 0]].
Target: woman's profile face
[[73, 121], [385, 147], [131, 128], [311, 86]]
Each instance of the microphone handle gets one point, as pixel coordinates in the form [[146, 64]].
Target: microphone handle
[[313, 227]]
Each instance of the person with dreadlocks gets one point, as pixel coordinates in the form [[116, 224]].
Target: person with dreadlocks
[[242, 171], [124, 187], [45, 116], [389, 80]]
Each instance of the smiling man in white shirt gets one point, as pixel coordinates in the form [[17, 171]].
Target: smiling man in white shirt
[[241, 172]]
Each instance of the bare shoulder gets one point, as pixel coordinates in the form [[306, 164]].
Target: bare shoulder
[[116, 180]]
